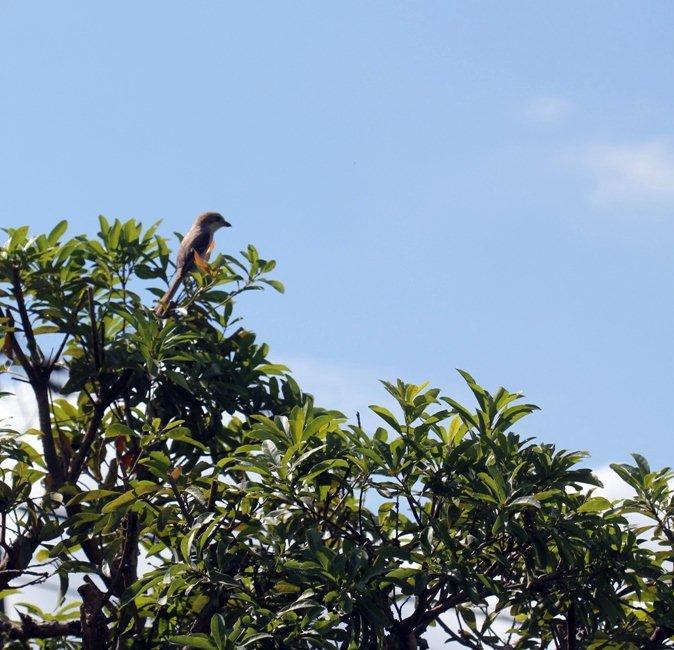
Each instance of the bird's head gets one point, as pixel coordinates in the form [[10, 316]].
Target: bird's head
[[212, 221]]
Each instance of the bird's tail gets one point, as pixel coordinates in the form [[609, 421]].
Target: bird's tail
[[165, 300]]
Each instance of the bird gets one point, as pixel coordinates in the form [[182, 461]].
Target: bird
[[195, 246]]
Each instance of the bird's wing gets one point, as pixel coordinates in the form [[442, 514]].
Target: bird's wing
[[199, 242]]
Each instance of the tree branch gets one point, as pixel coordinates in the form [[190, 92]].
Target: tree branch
[[571, 627], [36, 356], [90, 434], [38, 376], [660, 634], [180, 499], [41, 390], [17, 557], [212, 495], [98, 358], [16, 348], [94, 628], [28, 628]]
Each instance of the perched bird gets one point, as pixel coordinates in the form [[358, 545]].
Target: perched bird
[[197, 242]]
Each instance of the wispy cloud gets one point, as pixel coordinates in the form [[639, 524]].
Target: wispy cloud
[[348, 388], [614, 487], [549, 108], [17, 410], [631, 172]]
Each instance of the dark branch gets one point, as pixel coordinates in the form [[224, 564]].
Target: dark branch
[[660, 635], [35, 353], [212, 495], [38, 376], [89, 436], [94, 628], [98, 358], [28, 628], [17, 557], [571, 628], [180, 499], [16, 348]]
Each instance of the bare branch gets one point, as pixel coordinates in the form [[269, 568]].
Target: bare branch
[[28, 628], [571, 642], [94, 628], [17, 557], [81, 456], [212, 495], [96, 344], [35, 353], [180, 499], [16, 348], [38, 376], [55, 357]]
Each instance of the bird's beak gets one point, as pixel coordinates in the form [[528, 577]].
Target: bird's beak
[[226, 224]]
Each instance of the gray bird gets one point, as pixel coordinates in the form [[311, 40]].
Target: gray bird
[[199, 239]]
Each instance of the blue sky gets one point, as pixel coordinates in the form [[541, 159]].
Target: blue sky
[[479, 185]]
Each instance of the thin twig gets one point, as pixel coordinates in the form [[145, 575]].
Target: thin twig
[[180, 499], [16, 348], [98, 360], [3, 531], [53, 360], [212, 495]]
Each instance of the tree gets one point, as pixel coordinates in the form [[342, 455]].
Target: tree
[[203, 500]]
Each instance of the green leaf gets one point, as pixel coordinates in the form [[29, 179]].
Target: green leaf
[[219, 630], [462, 411], [255, 638], [118, 429], [401, 573], [526, 501], [387, 416], [194, 641], [91, 495], [625, 473], [57, 231], [186, 544], [141, 488], [139, 587], [181, 437], [642, 463], [272, 369], [114, 234], [178, 379], [595, 504], [276, 285], [495, 486], [372, 612], [498, 524]]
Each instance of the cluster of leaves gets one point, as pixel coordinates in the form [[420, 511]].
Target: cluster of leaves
[[207, 502]]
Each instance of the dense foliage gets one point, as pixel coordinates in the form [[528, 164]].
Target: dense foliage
[[199, 498]]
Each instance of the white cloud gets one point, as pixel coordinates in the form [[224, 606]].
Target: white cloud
[[614, 487], [17, 410], [548, 109], [349, 388], [631, 172]]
